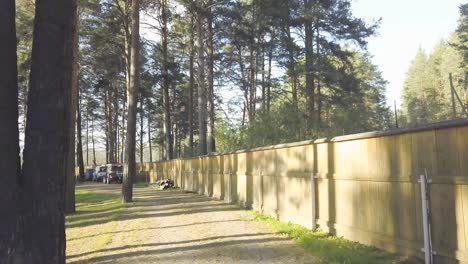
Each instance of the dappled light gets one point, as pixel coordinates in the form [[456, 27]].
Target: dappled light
[[169, 226], [366, 185], [233, 131]]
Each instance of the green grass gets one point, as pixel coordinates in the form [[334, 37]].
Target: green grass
[[84, 197], [331, 249], [94, 208], [140, 185], [91, 227]]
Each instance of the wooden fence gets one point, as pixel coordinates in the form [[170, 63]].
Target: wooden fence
[[363, 187]]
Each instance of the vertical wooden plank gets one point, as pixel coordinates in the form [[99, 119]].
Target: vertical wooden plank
[[462, 146], [444, 222], [423, 153], [447, 153]]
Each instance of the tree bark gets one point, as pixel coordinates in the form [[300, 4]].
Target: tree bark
[[270, 59], [79, 144], [47, 131], [252, 70], [245, 88], [141, 132], [309, 54], [319, 92], [149, 138], [122, 133], [168, 145], [106, 122], [253, 85], [132, 98], [211, 147], [9, 135], [202, 104], [87, 137], [115, 124], [70, 176], [262, 66], [92, 139], [110, 121], [291, 58], [192, 84]]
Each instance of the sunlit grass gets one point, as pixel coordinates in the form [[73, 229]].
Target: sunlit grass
[[94, 208], [84, 197], [91, 228], [331, 249]]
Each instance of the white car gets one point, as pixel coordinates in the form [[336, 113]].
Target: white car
[[100, 173]]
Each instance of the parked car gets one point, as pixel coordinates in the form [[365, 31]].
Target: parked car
[[99, 173], [88, 174], [114, 173]]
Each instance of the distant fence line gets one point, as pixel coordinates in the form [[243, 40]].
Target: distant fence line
[[363, 187]]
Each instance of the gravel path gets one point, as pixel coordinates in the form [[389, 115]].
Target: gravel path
[[178, 227]]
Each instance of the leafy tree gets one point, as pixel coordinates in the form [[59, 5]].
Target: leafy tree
[[427, 93], [416, 90]]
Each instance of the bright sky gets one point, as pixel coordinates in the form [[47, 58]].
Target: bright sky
[[405, 25]]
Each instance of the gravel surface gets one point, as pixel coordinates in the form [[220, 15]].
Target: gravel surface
[[178, 227]]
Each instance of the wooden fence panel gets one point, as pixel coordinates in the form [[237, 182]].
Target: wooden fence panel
[[366, 185]]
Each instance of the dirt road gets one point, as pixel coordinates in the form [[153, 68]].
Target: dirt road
[[179, 227]]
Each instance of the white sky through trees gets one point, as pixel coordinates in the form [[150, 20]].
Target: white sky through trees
[[406, 25]]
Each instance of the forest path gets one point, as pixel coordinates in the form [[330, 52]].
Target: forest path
[[178, 227]]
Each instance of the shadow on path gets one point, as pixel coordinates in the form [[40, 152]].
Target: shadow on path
[[176, 227]]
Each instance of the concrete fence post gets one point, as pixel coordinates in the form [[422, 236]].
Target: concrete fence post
[[260, 200], [313, 202], [428, 253], [229, 198]]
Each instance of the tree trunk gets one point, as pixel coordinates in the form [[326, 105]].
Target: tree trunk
[[149, 139], [87, 137], [263, 75], [291, 59], [166, 83], [202, 105], [9, 135], [79, 144], [141, 132], [243, 116], [176, 139], [270, 59], [122, 134], [319, 93], [245, 88], [47, 131], [309, 54], [132, 98], [115, 125], [71, 177], [161, 146], [211, 147], [92, 139], [110, 121], [118, 135], [192, 84], [106, 122], [252, 70], [253, 85]]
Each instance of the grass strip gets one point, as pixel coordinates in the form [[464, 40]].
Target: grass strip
[[332, 249], [93, 223]]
